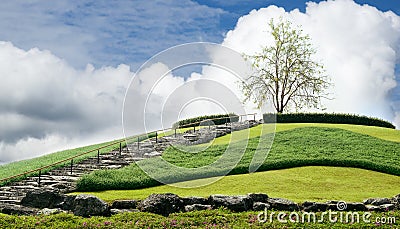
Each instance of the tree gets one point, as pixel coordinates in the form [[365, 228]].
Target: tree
[[285, 73]]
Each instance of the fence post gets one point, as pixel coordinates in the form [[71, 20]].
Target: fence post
[[40, 173], [194, 129], [120, 148], [254, 117], [98, 156], [138, 142], [156, 137], [72, 161], [175, 132], [241, 118]]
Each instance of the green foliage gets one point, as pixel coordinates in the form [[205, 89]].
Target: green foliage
[[206, 120], [220, 218], [326, 118], [292, 148]]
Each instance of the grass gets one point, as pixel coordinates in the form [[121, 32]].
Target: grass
[[378, 132], [291, 148], [313, 183], [199, 219]]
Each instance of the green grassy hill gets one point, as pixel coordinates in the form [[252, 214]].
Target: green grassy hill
[[295, 145]]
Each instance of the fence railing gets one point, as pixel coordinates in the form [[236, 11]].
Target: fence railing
[[71, 159]]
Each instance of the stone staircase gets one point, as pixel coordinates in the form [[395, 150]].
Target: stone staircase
[[64, 179]]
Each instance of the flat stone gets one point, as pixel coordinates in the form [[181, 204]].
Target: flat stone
[[377, 201], [124, 204], [282, 204], [233, 203]]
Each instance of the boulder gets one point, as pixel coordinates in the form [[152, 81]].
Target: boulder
[[42, 199], [124, 204], [282, 204], [162, 204], [355, 207], [88, 205], [17, 210], [194, 200], [260, 206], [233, 203], [314, 206], [68, 203], [197, 207], [258, 197], [387, 207], [396, 201], [377, 201]]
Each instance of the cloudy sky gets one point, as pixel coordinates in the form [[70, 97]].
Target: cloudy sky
[[65, 65]]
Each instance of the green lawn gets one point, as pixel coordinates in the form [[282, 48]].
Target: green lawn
[[291, 148], [313, 183]]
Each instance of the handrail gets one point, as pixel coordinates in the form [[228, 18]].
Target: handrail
[[99, 148]]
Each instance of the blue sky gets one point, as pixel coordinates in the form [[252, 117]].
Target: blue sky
[[108, 33]]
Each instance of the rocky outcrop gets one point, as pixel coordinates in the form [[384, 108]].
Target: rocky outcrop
[[233, 203], [124, 204], [87, 205], [42, 199], [162, 204], [377, 201], [282, 204]]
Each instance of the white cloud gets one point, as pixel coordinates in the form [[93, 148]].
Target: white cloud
[[46, 105], [359, 46]]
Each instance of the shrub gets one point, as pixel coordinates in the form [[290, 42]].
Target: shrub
[[326, 118], [217, 119]]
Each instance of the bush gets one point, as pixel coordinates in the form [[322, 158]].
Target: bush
[[218, 119], [326, 118]]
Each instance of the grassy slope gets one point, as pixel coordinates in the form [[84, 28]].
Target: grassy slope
[[378, 132], [292, 148], [298, 184]]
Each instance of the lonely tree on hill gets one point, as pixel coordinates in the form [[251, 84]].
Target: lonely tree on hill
[[285, 73]]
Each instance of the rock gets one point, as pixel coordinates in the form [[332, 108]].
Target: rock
[[233, 203], [42, 199], [387, 207], [355, 207], [17, 210], [396, 201], [50, 211], [282, 204], [260, 206], [88, 205], [377, 201], [153, 154], [194, 200], [315, 207], [258, 197], [197, 207], [162, 204], [373, 208], [68, 203], [119, 211], [124, 204]]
